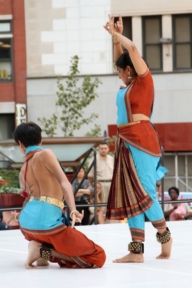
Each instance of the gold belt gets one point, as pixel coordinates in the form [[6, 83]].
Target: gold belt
[[128, 124], [48, 200]]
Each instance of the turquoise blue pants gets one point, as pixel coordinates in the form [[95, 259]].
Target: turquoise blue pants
[[146, 167]]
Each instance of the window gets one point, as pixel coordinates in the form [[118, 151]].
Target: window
[[182, 41], [5, 51], [7, 126], [152, 48], [127, 27]]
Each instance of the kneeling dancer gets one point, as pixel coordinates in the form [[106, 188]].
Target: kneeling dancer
[[42, 220]]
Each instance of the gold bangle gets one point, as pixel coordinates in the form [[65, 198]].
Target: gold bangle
[[16, 217], [116, 43], [72, 213]]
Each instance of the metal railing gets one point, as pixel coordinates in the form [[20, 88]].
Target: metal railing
[[93, 165], [95, 204]]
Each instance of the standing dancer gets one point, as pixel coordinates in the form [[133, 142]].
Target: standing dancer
[[133, 188], [41, 219]]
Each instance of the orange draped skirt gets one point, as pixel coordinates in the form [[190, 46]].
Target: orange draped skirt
[[142, 135], [83, 252]]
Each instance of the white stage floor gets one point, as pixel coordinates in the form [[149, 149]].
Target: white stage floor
[[172, 273]]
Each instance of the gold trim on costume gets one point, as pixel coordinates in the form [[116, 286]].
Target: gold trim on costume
[[128, 124], [48, 200]]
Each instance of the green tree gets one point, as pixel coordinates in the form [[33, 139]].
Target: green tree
[[94, 132], [49, 125], [72, 99]]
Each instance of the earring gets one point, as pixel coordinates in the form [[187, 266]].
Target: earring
[[129, 76]]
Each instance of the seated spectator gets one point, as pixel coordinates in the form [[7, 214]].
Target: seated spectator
[[82, 196], [2, 224], [176, 211], [100, 217]]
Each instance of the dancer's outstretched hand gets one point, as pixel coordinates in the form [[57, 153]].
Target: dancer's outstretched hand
[[76, 217], [119, 25], [112, 27]]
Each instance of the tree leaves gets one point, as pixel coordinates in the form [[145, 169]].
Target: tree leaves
[[72, 99], [49, 125]]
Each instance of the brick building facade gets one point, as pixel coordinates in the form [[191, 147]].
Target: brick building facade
[[12, 63]]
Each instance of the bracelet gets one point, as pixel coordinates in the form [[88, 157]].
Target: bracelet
[[114, 37], [72, 213], [16, 216]]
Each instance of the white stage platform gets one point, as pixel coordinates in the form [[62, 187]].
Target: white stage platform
[[172, 273]]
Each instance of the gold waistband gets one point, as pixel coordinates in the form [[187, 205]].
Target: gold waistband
[[48, 200], [128, 124]]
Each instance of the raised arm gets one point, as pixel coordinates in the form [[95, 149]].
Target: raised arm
[[118, 27], [138, 62]]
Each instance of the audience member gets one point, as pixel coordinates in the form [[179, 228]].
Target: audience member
[[3, 224], [176, 211], [105, 165], [83, 195]]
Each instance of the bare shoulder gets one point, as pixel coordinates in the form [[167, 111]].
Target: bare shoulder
[[46, 155]]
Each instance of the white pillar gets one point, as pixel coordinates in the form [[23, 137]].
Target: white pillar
[[167, 48], [137, 33]]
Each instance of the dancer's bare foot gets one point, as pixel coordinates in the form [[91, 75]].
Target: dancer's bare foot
[[165, 250], [131, 257], [33, 254], [42, 262]]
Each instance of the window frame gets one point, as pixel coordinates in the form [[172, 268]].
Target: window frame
[[151, 44], [174, 43], [176, 178], [8, 35], [11, 27]]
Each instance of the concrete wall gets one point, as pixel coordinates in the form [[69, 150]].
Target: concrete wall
[[150, 7], [172, 99], [59, 29], [42, 98]]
